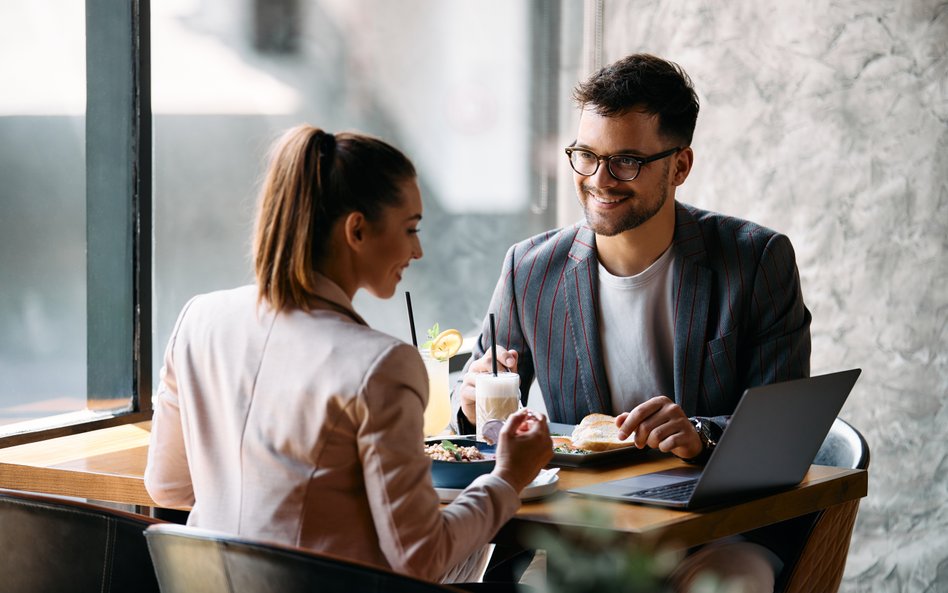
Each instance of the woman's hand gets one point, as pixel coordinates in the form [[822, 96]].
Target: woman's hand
[[524, 448], [506, 361]]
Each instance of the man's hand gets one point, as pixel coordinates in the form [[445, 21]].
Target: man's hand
[[661, 424], [506, 361]]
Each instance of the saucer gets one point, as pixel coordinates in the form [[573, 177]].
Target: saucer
[[533, 491]]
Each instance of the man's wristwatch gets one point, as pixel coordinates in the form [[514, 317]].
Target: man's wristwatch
[[707, 432]]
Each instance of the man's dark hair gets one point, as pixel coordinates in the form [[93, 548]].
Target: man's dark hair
[[644, 81]]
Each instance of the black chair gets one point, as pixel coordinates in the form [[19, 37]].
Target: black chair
[[190, 560], [53, 545], [822, 558]]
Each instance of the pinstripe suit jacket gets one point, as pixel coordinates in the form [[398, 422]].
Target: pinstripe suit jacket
[[739, 315]]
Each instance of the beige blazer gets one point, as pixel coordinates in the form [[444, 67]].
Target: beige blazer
[[306, 429]]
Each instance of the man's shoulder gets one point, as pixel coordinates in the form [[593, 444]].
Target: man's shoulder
[[557, 241], [715, 226]]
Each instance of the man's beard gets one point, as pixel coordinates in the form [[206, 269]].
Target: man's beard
[[640, 212]]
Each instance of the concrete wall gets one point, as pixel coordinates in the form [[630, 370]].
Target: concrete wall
[[827, 121]]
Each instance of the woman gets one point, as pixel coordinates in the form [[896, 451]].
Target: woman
[[282, 416]]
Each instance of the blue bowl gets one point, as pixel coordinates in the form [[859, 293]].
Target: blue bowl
[[459, 474]]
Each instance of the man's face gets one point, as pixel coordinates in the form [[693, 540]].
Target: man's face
[[612, 206]]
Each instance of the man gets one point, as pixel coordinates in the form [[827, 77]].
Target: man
[[650, 309]]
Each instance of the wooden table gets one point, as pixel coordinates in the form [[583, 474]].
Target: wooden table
[[821, 488], [106, 465], [109, 465]]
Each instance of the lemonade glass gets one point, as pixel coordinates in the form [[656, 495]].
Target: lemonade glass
[[438, 411]]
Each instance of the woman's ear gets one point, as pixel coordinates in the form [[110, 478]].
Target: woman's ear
[[354, 228]]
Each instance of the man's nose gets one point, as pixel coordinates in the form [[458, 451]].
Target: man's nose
[[602, 177]]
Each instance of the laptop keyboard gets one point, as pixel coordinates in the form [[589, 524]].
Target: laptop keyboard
[[681, 491]]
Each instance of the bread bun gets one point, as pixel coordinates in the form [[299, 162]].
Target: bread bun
[[595, 419], [598, 432], [562, 442]]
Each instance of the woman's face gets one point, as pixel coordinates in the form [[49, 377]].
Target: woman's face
[[391, 242]]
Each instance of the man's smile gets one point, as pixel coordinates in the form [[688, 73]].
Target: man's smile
[[606, 198]]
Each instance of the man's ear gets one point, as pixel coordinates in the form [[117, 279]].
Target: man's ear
[[681, 166], [354, 227]]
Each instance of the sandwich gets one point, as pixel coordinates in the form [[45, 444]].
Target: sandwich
[[597, 433]]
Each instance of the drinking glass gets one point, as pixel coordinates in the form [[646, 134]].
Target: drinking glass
[[495, 398], [438, 411]]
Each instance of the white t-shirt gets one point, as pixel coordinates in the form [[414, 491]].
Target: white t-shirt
[[637, 333]]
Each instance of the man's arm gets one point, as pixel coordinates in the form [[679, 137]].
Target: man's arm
[[778, 328], [509, 333], [776, 336]]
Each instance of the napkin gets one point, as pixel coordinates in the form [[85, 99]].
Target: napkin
[[546, 476]]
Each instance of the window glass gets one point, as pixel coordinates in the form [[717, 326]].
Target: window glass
[[457, 85], [42, 210]]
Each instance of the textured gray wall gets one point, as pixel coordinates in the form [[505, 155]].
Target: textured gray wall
[[827, 121]]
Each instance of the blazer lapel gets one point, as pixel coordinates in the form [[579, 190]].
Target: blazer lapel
[[692, 297], [582, 277]]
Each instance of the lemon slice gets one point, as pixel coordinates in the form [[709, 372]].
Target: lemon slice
[[446, 344]]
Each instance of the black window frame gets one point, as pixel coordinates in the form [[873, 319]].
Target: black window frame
[[118, 215]]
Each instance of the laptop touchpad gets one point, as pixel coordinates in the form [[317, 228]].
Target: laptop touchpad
[[663, 478]]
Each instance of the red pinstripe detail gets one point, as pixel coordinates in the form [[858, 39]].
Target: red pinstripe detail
[[727, 355], [681, 277], [546, 272], [691, 320], [563, 363], [770, 292], [582, 318], [573, 257], [714, 367], [575, 386], [523, 300], [510, 319], [513, 291], [549, 339], [787, 264], [727, 283], [740, 265]]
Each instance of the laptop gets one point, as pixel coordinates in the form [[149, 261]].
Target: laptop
[[769, 444]]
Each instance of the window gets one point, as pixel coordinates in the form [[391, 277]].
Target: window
[[473, 91], [470, 90], [74, 266]]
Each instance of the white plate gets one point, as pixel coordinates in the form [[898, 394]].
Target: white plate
[[531, 492]]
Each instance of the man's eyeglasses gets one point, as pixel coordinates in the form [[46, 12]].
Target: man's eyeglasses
[[623, 167]]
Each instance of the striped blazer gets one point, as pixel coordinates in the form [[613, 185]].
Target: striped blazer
[[739, 316]]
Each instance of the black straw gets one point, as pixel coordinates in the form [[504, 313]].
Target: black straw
[[411, 319], [493, 345]]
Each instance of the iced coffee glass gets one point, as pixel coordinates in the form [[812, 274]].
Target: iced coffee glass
[[496, 397]]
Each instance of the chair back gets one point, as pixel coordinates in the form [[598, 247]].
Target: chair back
[[50, 544], [822, 559], [844, 446], [190, 560]]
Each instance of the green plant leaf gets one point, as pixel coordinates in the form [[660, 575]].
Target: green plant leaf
[[433, 332]]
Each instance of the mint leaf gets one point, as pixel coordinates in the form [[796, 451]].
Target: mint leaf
[[433, 332]]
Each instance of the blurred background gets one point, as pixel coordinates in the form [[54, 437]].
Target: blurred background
[[827, 121]]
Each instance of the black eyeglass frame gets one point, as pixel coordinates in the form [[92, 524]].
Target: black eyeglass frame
[[639, 160]]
